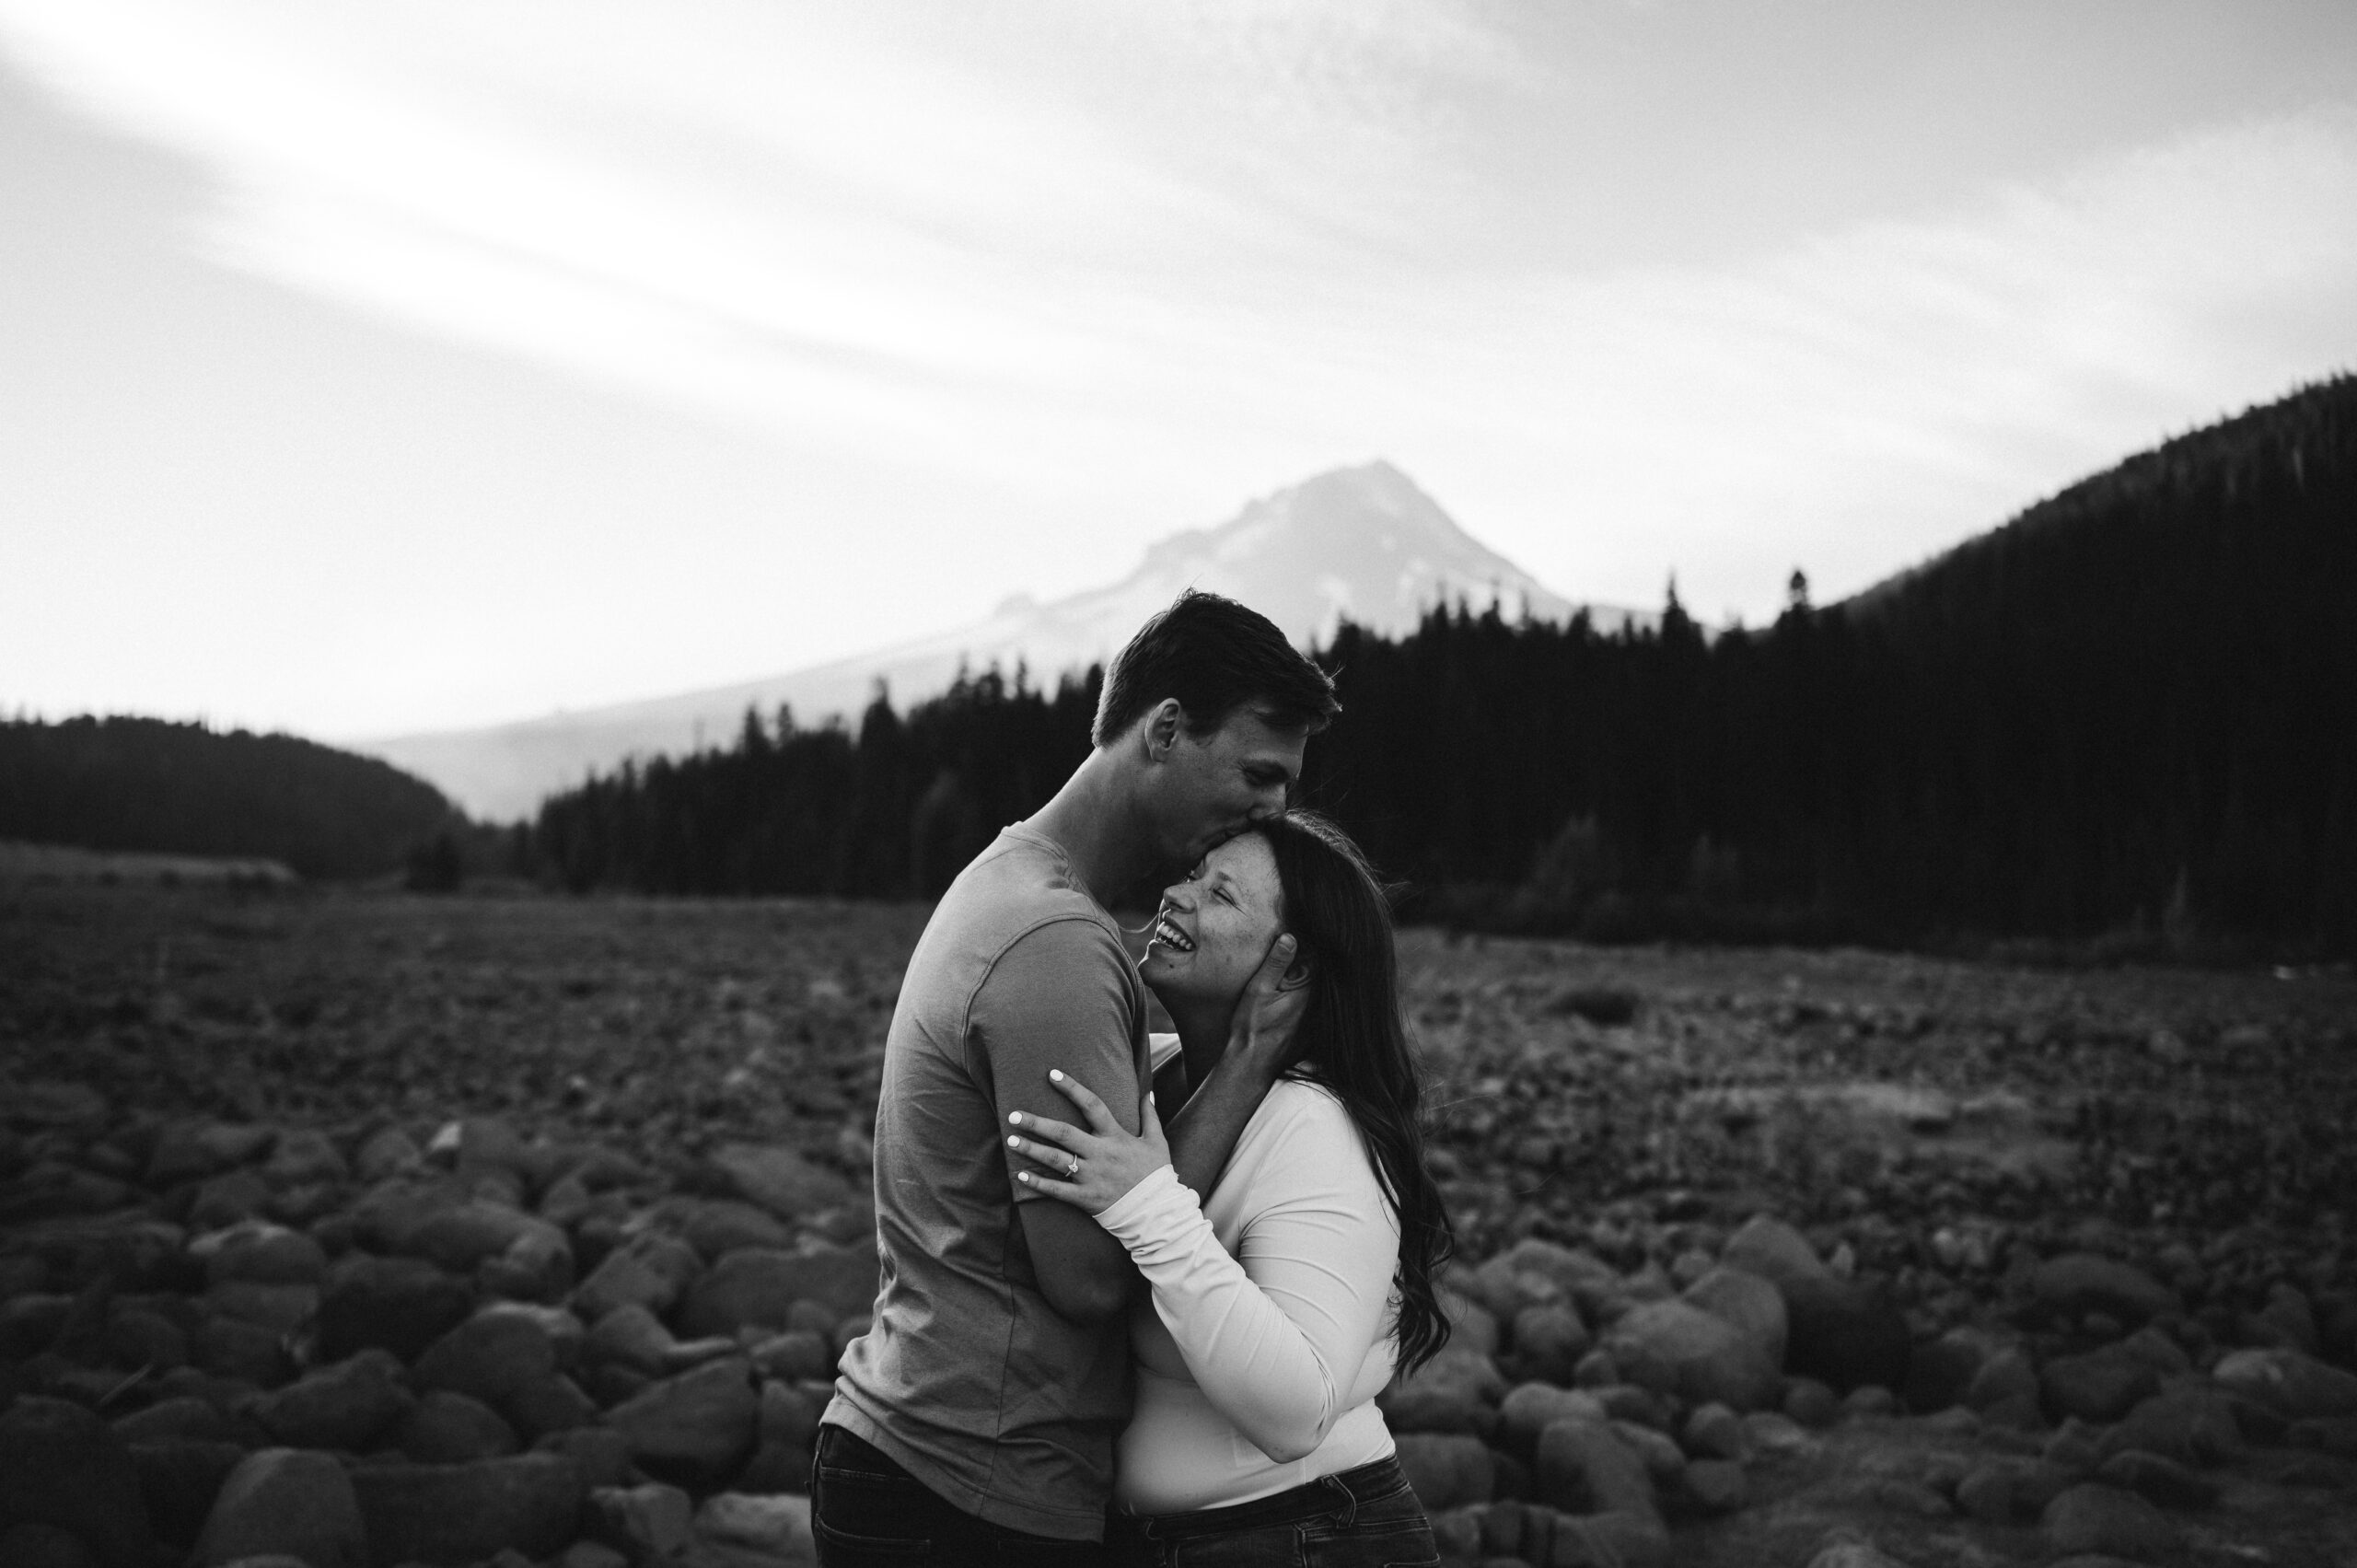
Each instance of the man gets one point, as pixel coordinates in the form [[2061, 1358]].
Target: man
[[975, 1421]]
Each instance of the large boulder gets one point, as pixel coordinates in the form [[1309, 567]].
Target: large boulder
[[1610, 1541], [285, 1503], [1529, 1409], [181, 1415], [756, 1288], [502, 1349], [485, 1147], [1715, 1486], [2295, 1386], [1846, 1333], [60, 1465], [2159, 1351], [781, 1181], [2006, 1376], [1548, 1341], [633, 1336], [1769, 1247], [457, 1514], [1714, 1432], [345, 1406], [451, 1429], [401, 1305], [602, 1454], [1446, 1468], [748, 1531], [2159, 1480], [2097, 1518], [178, 1479], [1458, 1391], [650, 1522], [537, 1266], [262, 1254], [2080, 1282], [1941, 1370], [187, 1151], [385, 1155], [2101, 1386], [305, 1158], [796, 1353], [1750, 1305], [2190, 1422], [233, 1348], [718, 1226], [465, 1234], [1675, 1347], [1469, 1322], [1584, 1467], [787, 1431], [648, 1270], [553, 1404], [281, 1308], [1582, 1277], [698, 1425]]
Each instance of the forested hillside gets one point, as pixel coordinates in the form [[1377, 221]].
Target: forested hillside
[[151, 785], [2133, 707]]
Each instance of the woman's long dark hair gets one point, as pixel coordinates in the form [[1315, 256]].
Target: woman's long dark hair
[[1354, 1041]]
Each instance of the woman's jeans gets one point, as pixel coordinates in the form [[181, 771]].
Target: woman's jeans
[[868, 1513], [1366, 1517]]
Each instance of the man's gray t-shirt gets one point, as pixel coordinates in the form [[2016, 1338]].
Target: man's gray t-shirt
[[969, 1379]]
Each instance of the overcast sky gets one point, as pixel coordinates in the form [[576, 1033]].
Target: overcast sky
[[375, 367]]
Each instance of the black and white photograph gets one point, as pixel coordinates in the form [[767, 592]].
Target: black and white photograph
[[1179, 783]]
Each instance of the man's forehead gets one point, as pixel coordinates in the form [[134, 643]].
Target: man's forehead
[[1249, 728]]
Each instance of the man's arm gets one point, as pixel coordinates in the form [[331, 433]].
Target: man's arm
[[1083, 1269], [1060, 998], [1203, 1132]]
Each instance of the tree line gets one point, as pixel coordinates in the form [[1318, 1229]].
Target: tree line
[[158, 786], [2130, 710]]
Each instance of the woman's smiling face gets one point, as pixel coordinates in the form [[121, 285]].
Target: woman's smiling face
[[1215, 927]]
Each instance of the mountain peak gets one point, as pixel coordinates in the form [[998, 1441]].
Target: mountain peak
[[1362, 542]]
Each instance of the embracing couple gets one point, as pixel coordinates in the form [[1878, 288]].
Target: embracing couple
[[1138, 1293]]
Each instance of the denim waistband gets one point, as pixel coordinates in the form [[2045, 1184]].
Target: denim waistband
[[1336, 1496]]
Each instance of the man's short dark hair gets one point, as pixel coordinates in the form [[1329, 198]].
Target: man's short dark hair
[[1215, 656]]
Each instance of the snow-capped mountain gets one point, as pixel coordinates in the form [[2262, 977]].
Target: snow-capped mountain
[[1359, 543]]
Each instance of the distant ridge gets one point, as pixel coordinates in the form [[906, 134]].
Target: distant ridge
[[144, 786], [1360, 542]]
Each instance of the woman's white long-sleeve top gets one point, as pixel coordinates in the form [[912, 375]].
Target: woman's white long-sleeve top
[[1271, 1322]]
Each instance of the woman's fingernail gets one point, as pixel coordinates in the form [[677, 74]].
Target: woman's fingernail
[[1055, 1075], [1024, 1176], [1015, 1117], [1013, 1142]]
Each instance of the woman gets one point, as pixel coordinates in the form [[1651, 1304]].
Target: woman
[[1284, 1301]]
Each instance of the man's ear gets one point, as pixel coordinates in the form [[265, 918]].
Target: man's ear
[[1297, 974], [1164, 724]]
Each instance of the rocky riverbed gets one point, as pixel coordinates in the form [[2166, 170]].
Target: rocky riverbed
[[362, 1230]]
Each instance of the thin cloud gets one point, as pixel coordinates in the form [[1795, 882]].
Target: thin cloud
[[1138, 265]]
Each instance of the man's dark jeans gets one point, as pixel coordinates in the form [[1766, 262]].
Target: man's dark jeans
[[869, 1512]]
